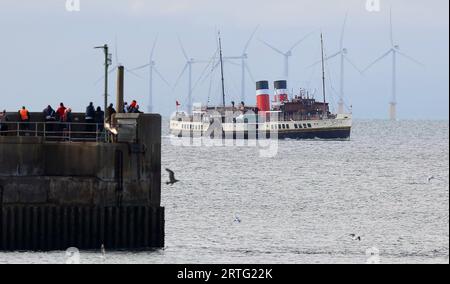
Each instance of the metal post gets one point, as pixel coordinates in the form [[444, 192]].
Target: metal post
[[107, 64]]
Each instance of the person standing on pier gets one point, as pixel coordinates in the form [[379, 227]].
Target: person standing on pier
[[61, 111], [90, 113], [100, 118], [109, 113], [90, 117], [24, 116], [50, 118], [3, 126]]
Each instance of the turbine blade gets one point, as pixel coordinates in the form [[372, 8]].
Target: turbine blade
[[272, 47], [161, 76], [391, 27], [211, 63], [353, 64], [134, 74], [300, 41], [153, 48], [116, 50], [231, 62], [411, 58], [140, 67], [181, 74], [377, 60], [343, 31], [250, 40], [326, 59], [103, 77], [183, 50], [249, 72]]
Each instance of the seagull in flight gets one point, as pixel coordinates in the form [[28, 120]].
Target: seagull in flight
[[237, 219], [172, 178], [355, 237]]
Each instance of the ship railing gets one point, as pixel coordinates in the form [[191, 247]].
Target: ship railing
[[55, 131]]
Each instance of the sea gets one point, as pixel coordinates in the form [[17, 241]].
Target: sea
[[382, 197]]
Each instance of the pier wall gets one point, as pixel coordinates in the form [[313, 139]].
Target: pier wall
[[41, 180]]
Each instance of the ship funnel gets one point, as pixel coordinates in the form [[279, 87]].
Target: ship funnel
[[262, 96], [120, 89], [281, 92]]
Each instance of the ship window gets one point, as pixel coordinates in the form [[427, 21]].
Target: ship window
[[296, 126], [271, 127], [284, 126], [279, 126], [309, 125], [304, 125], [287, 126]]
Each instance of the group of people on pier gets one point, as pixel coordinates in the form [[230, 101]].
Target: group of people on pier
[[63, 115]]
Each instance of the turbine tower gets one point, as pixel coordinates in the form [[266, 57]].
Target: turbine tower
[[395, 51], [343, 54], [152, 69], [286, 54], [188, 66]]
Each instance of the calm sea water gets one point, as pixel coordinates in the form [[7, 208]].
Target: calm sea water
[[302, 205]]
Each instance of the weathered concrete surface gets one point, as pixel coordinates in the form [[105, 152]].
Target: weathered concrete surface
[[55, 173]]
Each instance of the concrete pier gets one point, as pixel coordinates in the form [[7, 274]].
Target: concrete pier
[[59, 194]]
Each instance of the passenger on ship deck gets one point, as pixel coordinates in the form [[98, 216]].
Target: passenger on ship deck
[[125, 107]]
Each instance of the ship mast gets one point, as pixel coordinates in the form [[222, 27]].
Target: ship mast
[[323, 78], [221, 70]]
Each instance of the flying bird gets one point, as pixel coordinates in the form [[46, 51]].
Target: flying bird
[[237, 219], [172, 178], [355, 237]]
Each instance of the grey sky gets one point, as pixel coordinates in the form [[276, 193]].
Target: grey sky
[[47, 53]]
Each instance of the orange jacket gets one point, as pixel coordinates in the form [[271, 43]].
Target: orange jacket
[[24, 114]]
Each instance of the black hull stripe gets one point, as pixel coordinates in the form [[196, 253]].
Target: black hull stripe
[[304, 134]]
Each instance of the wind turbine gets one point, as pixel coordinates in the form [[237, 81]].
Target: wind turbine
[[395, 51], [188, 67], [244, 66], [343, 52], [286, 54], [152, 69], [117, 64]]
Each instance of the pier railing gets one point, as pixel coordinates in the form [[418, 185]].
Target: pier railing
[[55, 131]]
